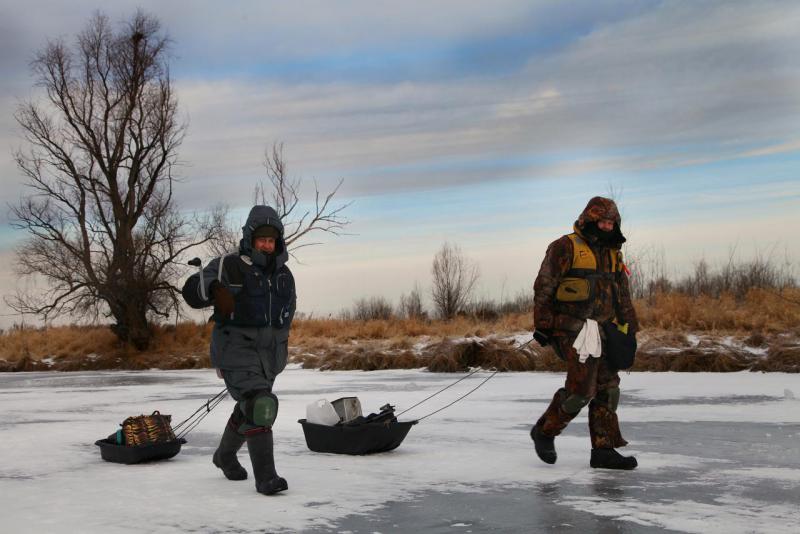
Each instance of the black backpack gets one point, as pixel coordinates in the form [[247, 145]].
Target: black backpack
[[620, 346]]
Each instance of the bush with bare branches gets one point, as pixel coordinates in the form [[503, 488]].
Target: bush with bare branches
[[454, 279], [369, 309], [411, 306], [736, 277]]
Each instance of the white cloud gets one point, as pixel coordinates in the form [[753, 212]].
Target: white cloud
[[670, 87]]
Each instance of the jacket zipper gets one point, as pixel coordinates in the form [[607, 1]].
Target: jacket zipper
[[269, 310]]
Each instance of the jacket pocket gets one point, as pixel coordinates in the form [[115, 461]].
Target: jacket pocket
[[284, 285], [239, 350], [574, 290]]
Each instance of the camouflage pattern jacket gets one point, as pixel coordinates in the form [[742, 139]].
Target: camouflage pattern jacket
[[563, 317]]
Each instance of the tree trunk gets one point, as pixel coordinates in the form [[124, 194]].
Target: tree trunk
[[132, 326]]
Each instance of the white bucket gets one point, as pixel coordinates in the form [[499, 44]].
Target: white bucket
[[321, 412]]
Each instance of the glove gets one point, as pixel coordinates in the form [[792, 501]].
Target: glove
[[223, 300], [542, 336]]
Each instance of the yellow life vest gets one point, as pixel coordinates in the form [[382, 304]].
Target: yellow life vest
[[577, 285]]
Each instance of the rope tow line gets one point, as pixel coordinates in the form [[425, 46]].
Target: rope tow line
[[461, 397], [193, 420], [183, 428], [448, 387]]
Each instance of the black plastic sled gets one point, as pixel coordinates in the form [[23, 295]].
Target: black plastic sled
[[363, 438], [122, 454]]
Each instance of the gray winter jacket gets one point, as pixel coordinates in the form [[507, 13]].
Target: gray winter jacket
[[255, 336]]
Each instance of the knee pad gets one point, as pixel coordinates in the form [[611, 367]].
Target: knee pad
[[574, 403], [608, 398], [260, 408]]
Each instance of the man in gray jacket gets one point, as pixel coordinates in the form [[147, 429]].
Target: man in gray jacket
[[254, 300]]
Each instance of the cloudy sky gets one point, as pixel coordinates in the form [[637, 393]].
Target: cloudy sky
[[488, 124]]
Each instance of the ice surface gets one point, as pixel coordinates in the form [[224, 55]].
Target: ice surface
[[717, 453]]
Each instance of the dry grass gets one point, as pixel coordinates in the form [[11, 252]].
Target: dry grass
[[414, 343], [73, 348], [343, 331], [449, 357], [445, 356], [365, 360], [692, 360], [761, 310], [785, 358]]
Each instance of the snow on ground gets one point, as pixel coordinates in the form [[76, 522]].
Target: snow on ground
[[717, 453]]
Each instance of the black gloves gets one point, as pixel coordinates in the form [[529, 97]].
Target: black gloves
[[542, 336], [223, 300]]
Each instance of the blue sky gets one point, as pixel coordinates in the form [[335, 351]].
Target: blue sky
[[486, 124]]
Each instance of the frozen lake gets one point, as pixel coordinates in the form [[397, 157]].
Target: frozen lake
[[717, 453]]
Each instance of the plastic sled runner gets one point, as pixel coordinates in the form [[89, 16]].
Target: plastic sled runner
[[122, 454], [364, 438]]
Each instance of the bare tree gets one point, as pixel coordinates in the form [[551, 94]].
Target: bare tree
[[454, 278], [226, 239], [283, 193], [105, 234], [410, 306]]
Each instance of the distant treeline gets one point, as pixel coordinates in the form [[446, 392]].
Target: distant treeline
[[648, 280]]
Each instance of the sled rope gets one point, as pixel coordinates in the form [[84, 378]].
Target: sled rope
[[193, 420], [446, 388], [461, 397], [525, 344], [441, 390]]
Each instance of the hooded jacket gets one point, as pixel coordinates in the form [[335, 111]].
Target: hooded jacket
[[262, 285], [551, 314]]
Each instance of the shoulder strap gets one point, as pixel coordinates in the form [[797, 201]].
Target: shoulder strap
[[219, 267], [616, 260], [232, 269]]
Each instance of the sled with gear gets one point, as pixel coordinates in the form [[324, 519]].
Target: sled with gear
[[339, 427], [142, 438], [148, 438], [111, 451]]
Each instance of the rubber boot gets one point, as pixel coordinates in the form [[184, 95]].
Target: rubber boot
[[225, 455], [545, 445], [611, 459], [259, 445]]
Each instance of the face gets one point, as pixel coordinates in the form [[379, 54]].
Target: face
[[605, 225], [264, 244]]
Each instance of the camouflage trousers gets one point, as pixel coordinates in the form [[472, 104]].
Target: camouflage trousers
[[590, 382]]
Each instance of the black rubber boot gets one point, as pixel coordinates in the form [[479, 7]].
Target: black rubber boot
[[267, 480], [545, 446], [611, 459], [225, 455]]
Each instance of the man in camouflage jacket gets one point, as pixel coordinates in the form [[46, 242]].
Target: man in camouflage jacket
[[557, 323]]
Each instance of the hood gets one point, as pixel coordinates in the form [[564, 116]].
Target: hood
[[259, 216], [586, 226]]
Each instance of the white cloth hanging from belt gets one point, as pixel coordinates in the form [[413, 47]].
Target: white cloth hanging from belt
[[588, 341]]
